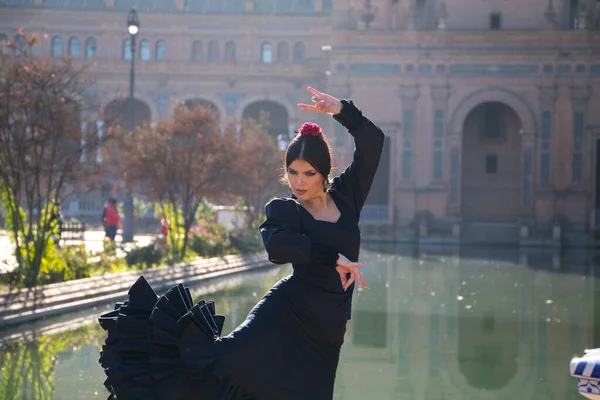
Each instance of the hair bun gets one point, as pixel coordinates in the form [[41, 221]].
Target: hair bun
[[310, 129]]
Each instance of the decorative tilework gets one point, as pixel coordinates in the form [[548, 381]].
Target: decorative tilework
[[494, 69], [578, 122], [231, 101], [454, 174], [564, 69], [545, 147], [407, 152], [425, 68], [292, 98], [162, 99], [438, 145], [280, 7], [375, 68], [527, 177]]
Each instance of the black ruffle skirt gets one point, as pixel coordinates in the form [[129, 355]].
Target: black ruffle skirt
[[163, 348], [166, 348]]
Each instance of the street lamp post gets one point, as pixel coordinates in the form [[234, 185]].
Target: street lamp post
[[133, 27]]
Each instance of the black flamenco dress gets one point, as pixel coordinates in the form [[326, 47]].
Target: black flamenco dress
[[165, 347]]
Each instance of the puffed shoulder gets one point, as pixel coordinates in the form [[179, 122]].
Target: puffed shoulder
[[285, 210], [282, 204]]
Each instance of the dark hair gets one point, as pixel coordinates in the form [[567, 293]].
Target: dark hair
[[314, 150]]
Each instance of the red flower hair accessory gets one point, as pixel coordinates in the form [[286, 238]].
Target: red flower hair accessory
[[310, 129]]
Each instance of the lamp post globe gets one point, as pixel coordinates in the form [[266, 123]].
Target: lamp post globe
[[133, 22]]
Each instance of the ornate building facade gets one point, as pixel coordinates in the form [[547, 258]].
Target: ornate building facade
[[490, 107]]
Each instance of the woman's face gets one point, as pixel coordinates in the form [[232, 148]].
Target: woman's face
[[305, 181]]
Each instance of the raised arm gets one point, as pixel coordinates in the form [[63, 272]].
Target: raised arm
[[283, 238], [355, 182]]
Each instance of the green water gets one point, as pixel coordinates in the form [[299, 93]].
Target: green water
[[482, 324]]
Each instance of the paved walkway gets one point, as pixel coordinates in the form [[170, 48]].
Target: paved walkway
[[93, 243]]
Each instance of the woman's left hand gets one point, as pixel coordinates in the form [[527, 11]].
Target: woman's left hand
[[345, 267], [324, 103]]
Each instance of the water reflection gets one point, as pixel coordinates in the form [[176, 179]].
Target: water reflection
[[469, 324], [435, 324]]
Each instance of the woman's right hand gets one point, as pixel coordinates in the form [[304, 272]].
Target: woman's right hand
[[345, 267], [323, 103]]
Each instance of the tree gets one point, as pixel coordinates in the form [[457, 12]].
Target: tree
[[41, 147], [179, 162], [259, 163]]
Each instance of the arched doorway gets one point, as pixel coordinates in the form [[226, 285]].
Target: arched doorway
[[192, 104], [276, 114], [127, 113], [492, 164]]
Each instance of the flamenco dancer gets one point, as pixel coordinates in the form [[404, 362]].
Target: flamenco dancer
[[289, 345]]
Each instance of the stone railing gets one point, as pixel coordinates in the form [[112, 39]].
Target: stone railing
[[27, 305]]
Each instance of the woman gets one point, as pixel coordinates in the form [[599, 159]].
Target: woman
[[288, 347]]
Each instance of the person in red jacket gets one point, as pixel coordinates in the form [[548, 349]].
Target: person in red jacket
[[110, 219]]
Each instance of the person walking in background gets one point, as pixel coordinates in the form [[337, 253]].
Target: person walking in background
[[164, 233], [110, 219]]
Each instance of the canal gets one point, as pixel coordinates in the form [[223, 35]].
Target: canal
[[475, 323]]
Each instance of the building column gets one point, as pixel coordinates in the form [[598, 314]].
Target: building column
[[580, 96], [547, 97], [409, 95], [454, 166], [439, 96], [592, 137], [528, 145]]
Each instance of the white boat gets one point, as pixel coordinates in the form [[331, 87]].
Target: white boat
[[587, 371]]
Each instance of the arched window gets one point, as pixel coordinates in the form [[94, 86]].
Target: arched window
[[230, 51], [283, 52], [144, 50], [197, 51], [57, 47], [74, 47], [213, 51], [161, 50], [299, 52], [266, 53], [127, 49], [90, 48]]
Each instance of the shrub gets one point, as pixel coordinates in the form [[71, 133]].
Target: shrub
[[212, 240], [245, 241], [144, 257]]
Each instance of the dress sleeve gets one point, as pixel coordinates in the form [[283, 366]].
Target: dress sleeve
[[283, 238], [355, 182]]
